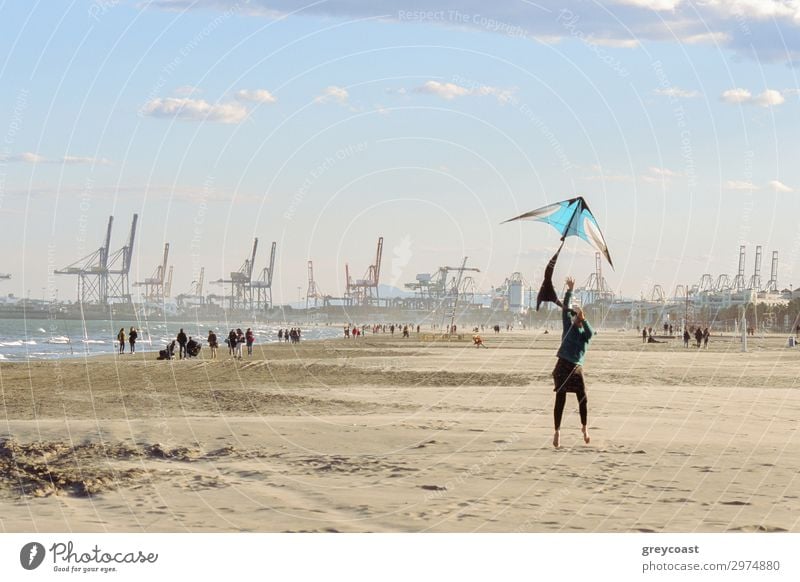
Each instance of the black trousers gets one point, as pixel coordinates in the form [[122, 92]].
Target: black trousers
[[561, 400], [568, 377]]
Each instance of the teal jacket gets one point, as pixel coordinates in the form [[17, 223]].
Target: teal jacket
[[574, 340]]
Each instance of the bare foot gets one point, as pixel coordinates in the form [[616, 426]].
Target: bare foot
[[557, 439], [585, 432]]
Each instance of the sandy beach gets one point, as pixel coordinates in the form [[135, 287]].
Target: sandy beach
[[391, 435]]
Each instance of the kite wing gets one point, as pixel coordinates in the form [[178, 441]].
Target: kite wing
[[571, 218]]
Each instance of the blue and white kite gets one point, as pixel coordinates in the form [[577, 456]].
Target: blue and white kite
[[571, 218]]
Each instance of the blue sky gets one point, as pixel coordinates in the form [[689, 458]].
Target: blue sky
[[219, 121]]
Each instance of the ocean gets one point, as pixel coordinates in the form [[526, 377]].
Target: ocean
[[43, 339]]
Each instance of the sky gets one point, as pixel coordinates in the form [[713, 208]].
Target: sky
[[325, 125]]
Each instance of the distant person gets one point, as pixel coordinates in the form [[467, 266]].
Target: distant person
[[706, 335], [698, 336], [280, 335], [670, 329], [192, 348], [212, 344], [568, 373], [239, 342], [167, 353], [405, 331], [478, 341], [182, 339], [418, 328], [132, 336], [231, 341], [644, 336], [250, 339], [121, 340], [686, 338]]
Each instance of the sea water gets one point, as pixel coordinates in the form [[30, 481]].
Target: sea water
[[42, 339]]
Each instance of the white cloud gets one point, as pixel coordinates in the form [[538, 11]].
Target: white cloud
[[756, 29], [256, 96], [769, 98], [652, 4], [446, 91], [613, 42], [28, 158], [194, 110], [333, 93], [739, 185], [677, 92], [82, 160], [32, 158], [717, 37], [450, 91], [737, 96], [656, 174], [665, 172], [758, 9], [779, 186]]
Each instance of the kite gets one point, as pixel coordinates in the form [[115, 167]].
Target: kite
[[571, 218]]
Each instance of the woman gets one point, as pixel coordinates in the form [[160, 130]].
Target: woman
[[239, 341], [212, 344], [232, 343], [132, 335], [568, 373], [250, 338], [121, 340]]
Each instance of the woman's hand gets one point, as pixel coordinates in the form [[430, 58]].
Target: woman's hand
[[570, 283]]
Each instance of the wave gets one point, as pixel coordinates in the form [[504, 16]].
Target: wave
[[58, 340], [91, 341]]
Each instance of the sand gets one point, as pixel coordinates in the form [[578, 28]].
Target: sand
[[386, 434]]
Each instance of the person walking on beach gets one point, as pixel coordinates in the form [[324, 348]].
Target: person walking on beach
[[231, 342], [132, 335], [698, 335], [250, 338], [182, 339], [239, 341], [644, 335], [686, 337], [706, 335], [212, 344], [568, 373], [121, 340]]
